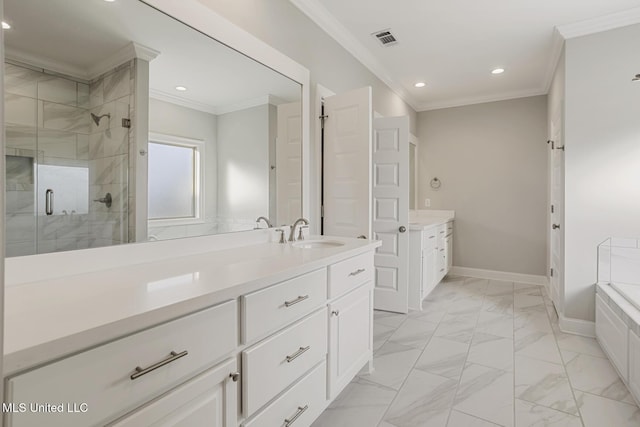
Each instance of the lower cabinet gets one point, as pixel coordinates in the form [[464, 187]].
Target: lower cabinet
[[210, 399], [350, 336], [634, 364], [429, 262]]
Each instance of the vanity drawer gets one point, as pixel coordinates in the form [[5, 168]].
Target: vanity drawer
[[430, 239], [271, 366], [349, 274], [102, 377], [270, 309], [306, 399]]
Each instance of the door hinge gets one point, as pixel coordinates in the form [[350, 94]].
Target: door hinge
[[552, 272], [553, 145], [552, 210], [322, 119], [126, 123], [322, 211]]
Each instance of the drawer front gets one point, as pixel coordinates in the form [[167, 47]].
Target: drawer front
[[300, 405], [430, 239], [101, 377], [270, 309], [442, 233], [349, 274], [449, 228], [272, 365]]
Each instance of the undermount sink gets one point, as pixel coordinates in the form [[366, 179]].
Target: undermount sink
[[317, 244]]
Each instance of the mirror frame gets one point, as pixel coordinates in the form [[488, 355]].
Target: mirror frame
[[192, 13]]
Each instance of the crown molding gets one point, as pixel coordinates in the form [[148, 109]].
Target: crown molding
[[325, 20], [216, 111], [461, 102], [183, 102], [554, 57], [127, 53], [600, 23], [48, 64]]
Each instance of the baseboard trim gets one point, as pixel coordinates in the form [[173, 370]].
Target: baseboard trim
[[580, 327], [499, 275]]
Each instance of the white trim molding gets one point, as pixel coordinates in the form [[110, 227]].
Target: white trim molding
[[461, 102], [554, 57], [325, 20], [573, 326], [600, 23], [499, 275]]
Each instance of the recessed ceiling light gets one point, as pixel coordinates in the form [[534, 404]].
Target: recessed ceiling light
[[498, 71], [420, 84], [5, 26], [181, 88]]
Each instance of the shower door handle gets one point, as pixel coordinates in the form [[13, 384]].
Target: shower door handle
[[48, 202]]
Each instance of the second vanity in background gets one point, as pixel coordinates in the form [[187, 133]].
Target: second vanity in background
[[430, 252]]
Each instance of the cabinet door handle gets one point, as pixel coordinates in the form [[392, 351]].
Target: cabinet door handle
[[297, 354], [335, 313], [143, 371], [48, 202], [300, 411], [432, 237], [295, 301], [358, 271]]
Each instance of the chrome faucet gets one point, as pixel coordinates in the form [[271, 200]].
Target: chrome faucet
[[265, 219], [292, 234]]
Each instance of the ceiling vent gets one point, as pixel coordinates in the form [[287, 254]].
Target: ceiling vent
[[385, 37]]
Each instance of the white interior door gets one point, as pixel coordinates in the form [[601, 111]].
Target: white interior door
[[288, 164], [347, 164], [557, 211], [391, 212]]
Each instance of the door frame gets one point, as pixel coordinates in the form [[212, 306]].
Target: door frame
[[556, 127], [413, 140], [321, 93]]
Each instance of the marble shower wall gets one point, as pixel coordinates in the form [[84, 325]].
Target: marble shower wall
[[47, 119], [109, 144]]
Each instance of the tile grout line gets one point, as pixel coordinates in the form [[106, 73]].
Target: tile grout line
[[467, 356], [564, 365]]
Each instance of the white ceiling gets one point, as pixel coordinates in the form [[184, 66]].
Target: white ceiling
[[453, 45], [76, 36]]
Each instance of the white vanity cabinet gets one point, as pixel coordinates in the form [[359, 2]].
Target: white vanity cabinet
[[276, 355], [210, 399], [430, 259]]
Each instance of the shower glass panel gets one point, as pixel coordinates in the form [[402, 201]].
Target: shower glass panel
[[59, 160]]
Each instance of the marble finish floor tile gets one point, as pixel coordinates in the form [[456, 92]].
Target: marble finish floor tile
[[413, 333], [424, 400], [443, 357], [460, 419], [482, 353], [392, 364], [537, 345], [491, 350], [362, 402], [486, 393], [545, 384], [596, 375], [598, 411], [532, 415]]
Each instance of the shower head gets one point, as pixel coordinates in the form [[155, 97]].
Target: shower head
[[96, 119]]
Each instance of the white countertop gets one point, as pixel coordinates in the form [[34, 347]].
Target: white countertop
[[50, 319], [425, 223]]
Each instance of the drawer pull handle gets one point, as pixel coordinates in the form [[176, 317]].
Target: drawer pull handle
[[432, 237], [295, 301], [172, 357], [297, 354], [289, 421], [358, 271]]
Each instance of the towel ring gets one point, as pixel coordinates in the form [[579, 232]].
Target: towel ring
[[435, 183]]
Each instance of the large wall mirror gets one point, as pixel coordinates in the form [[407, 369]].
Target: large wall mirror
[[125, 125]]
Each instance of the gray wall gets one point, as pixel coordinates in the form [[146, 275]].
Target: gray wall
[[491, 159], [602, 158], [243, 164]]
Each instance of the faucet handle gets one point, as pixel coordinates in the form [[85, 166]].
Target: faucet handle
[[282, 240], [300, 230]]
